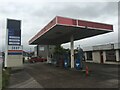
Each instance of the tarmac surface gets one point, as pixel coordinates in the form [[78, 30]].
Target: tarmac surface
[[21, 79], [43, 75]]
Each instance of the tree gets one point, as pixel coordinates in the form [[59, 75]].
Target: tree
[[59, 50]]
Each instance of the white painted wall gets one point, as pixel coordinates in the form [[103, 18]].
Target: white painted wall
[[117, 46], [96, 56], [35, 51], [104, 56], [85, 56], [117, 55]]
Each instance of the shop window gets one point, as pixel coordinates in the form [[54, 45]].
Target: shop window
[[110, 55], [89, 55]]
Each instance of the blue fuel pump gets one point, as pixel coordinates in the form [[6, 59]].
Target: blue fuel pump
[[66, 61], [78, 62]]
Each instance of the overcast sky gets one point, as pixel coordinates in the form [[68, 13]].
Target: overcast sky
[[35, 15]]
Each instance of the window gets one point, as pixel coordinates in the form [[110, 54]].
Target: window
[[89, 55], [110, 55]]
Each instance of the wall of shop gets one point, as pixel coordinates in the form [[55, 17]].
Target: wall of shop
[[41, 50]]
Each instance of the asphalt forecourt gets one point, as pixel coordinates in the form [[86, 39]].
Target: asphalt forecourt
[[50, 76]]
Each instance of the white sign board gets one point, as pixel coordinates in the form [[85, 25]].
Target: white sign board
[[14, 49]]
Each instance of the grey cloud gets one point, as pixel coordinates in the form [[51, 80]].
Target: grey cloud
[[90, 10], [36, 16], [13, 8]]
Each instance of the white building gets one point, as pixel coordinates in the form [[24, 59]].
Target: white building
[[109, 53]]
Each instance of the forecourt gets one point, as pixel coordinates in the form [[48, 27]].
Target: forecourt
[[62, 30]]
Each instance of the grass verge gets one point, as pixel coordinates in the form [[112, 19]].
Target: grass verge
[[5, 77]]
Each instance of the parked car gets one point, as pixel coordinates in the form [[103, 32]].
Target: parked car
[[37, 59]]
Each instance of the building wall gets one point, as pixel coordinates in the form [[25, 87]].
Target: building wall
[[85, 56], [107, 59], [96, 56], [109, 53], [44, 50], [35, 51], [117, 55], [104, 56]]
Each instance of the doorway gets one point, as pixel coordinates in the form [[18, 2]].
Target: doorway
[[101, 57]]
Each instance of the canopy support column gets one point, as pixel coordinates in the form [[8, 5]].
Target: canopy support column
[[47, 53], [72, 51]]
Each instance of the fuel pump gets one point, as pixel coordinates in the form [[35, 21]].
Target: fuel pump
[[66, 60], [79, 58]]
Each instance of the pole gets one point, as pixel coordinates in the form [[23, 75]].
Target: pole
[[72, 51], [47, 53]]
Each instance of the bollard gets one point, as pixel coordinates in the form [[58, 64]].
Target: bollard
[[87, 71]]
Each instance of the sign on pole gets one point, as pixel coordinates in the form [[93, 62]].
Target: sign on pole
[[14, 51]]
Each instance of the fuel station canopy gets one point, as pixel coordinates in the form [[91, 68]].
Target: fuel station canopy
[[60, 29]]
